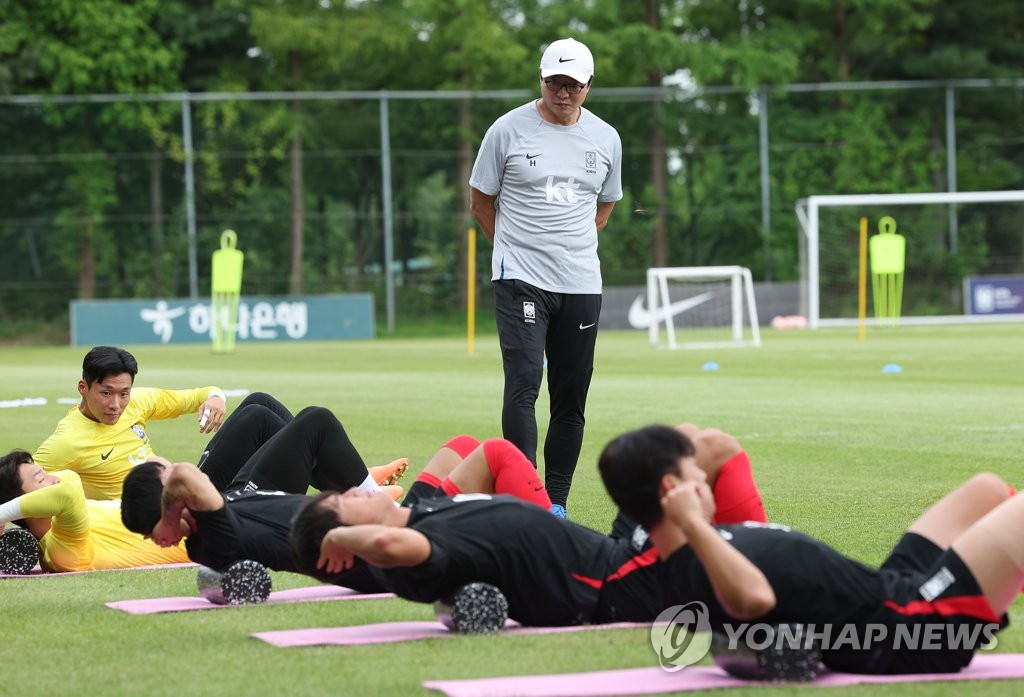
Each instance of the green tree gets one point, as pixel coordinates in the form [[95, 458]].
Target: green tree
[[62, 47]]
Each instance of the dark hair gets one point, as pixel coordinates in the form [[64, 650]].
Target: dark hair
[[309, 527], [633, 464], [103, 361], [140, 497], [11, 486]]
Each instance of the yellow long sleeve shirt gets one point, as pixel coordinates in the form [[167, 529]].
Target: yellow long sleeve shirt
[[104, 454], [86, 534]]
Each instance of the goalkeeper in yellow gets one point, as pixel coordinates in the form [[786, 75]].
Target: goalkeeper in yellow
[[103, 437], [74, 533]]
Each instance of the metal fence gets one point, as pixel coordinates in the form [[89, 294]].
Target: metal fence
[[382, 205]]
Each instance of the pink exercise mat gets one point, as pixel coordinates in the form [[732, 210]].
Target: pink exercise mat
[[389, 632], [645, 681], [37, 572], [151, 606]]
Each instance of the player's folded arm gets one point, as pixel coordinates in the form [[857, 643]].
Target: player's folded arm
[[385, 546], [63, 501], [188, 485]]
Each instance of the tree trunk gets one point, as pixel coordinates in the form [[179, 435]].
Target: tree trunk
[[156, 225], [295, 286], [659, 241], [842, 57], [87, 257], [464, 168]]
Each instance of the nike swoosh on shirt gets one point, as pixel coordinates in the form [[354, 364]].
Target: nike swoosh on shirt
[[532, 157], [586, 326], [104, 457]]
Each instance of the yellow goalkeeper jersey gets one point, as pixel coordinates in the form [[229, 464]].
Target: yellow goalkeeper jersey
[[104, 454], [86, 534]]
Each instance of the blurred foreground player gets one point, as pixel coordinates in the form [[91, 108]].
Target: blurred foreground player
[[954, 572]]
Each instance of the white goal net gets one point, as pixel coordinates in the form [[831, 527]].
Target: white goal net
[[710, 306], [960, 246]]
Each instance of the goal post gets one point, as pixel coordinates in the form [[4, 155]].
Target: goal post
[[702, 297], [927, 215]]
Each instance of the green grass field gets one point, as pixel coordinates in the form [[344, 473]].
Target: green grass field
[[840, 450]]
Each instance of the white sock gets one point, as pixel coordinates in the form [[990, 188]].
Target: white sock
[[369, 484]]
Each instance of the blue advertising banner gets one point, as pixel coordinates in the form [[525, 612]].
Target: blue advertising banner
[[993, 295], [183, 320]]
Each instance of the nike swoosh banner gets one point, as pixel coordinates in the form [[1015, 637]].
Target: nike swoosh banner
[[772, 299]]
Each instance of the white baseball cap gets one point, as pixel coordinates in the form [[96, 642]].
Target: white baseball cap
[[568, 57]]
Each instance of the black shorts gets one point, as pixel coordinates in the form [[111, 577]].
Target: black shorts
[[935, 614]]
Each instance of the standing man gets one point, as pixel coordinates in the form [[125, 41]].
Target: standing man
[[544, 183], [105, 435]]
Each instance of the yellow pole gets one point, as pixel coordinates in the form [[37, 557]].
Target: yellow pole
[[470, 289], [862, 280]]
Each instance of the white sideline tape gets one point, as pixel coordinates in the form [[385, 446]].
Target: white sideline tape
[[42, 401], [25, 402]]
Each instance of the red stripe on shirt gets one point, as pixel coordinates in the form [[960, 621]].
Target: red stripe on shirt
[[592, 582], [968, 605], [638, 561]]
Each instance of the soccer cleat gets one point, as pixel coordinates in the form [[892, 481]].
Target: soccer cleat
[[476, 608], [19, 551], [393, 490], [390, 473], [558, 511]]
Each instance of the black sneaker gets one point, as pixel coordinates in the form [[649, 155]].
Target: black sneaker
[[19, 551], [476, 608], [244, 582]]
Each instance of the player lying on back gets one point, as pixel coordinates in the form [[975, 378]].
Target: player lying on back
[[954, 572], [74, 533], [552, 571], [249, 517]]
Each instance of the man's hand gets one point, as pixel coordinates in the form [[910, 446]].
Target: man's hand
[[189, 526], [334, 557], [684, 504], [212, 413], [167, 534]]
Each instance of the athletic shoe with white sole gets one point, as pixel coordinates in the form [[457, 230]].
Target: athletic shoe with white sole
[[390, 473]]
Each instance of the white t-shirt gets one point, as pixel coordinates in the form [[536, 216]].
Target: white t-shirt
[[548, 180]]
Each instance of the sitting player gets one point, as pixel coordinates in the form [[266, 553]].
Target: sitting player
[[956, 570], [105, 434]]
